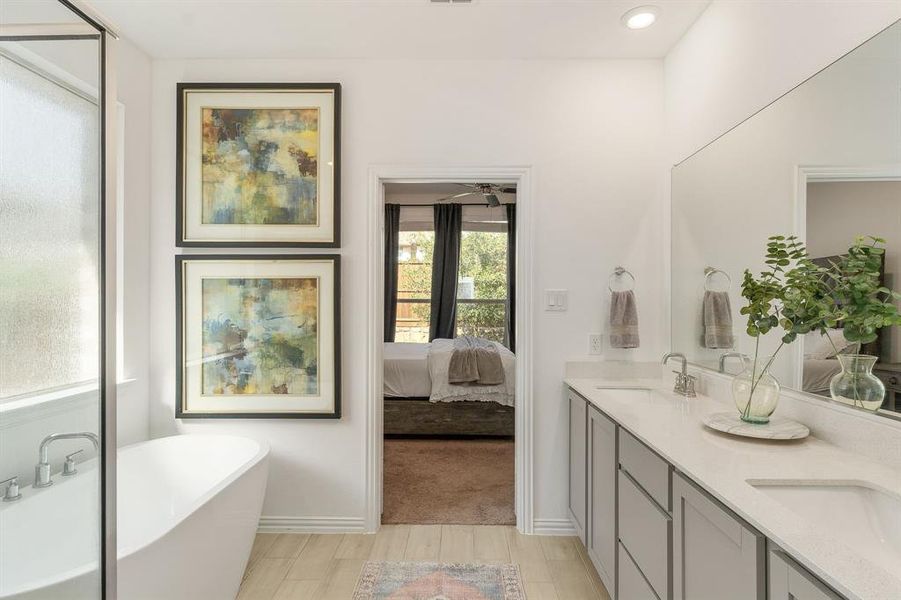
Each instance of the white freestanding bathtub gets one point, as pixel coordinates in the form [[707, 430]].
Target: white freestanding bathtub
[[188, 508]]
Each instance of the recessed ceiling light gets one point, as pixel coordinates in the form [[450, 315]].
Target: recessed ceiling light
[[640, 17]]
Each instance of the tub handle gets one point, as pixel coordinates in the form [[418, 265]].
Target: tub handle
[[69, 467], [12, 490]]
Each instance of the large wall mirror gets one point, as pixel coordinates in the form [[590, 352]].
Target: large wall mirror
[[823, 163]]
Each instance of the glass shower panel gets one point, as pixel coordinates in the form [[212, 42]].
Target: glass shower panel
[[50, 312]]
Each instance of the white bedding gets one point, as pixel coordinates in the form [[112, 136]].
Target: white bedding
[[407, 370], [818, 373], [442, 391]]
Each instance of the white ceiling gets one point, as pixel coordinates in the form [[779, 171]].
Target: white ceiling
[[396, 28]]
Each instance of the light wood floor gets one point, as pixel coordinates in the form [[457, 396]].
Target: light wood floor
[[298, 566]]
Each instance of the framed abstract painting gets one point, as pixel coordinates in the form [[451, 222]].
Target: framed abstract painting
[[258, 165], [258, 336]]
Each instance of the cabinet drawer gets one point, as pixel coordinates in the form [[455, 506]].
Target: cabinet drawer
[[632, 584], [649, 470], [790, 581], [645, 531]]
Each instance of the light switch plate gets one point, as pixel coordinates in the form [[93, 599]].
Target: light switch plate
[[595, 344], [556, 300]]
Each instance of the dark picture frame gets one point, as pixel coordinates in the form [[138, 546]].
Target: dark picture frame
[[182, 395], [184, 239]]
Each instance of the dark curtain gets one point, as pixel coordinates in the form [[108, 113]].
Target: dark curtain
[[445, 265], [392, 229], [510, 324]]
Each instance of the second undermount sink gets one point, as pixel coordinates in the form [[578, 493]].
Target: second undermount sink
[[866, 519], [641, 395]]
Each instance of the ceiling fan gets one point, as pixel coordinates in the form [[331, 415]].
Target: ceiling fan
[[489, 192]]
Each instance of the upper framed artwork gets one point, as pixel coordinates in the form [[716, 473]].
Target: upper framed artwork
[[258, 336], [258, 165]]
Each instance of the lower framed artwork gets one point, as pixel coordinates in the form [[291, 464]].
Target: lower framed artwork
[[258, 336]]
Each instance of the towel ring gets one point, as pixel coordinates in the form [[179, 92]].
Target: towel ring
[[710, 272], [619, 272]]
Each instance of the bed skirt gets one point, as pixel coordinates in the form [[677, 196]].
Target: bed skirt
[[414, 416]]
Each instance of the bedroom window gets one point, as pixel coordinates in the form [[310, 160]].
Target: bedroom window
[[482, 278], [414, 285], [482, 284]]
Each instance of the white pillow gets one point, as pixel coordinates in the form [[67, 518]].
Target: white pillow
[[818, 347]]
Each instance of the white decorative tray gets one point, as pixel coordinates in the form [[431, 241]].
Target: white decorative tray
[[776, 429]]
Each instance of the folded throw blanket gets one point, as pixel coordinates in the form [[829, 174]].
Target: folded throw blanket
[[623, 320], [718, 320], [475, 361]]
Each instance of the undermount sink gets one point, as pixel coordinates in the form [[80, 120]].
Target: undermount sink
[[866, 519], [626, 394], [639, 395]]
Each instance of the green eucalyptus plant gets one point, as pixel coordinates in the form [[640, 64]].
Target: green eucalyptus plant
[[787, 295], [796, 296], [860, 304]]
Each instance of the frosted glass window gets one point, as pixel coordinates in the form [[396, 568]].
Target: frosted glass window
[[49, 228]]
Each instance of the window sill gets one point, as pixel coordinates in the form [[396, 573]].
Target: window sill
[[39, 406]]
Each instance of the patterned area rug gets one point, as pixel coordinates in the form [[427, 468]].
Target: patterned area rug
[[438, 581]]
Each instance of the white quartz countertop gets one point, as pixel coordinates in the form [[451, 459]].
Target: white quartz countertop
[[723, 464]]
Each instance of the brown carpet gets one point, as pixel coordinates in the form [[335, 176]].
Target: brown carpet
[[465, 482]]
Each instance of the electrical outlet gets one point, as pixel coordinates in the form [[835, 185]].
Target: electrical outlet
[[595, 344]]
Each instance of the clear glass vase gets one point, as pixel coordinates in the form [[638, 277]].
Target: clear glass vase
[[756, 395], [856, 385]]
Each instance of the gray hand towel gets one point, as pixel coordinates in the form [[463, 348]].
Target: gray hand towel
[[718, 320], [623, 320]]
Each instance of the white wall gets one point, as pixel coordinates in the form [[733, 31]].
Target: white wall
[[133, 83], [592, 132], [740, 55]]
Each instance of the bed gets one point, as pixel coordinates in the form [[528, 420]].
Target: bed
[[407, 371], [818, 372], [820, 362], [419, 401]]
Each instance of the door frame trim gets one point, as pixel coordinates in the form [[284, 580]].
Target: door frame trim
[[525, 209]]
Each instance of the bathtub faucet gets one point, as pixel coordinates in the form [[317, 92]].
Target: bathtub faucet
[[42, 469]]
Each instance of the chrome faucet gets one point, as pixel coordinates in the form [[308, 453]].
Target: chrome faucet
[[42, 476], [685, 383], [726, 356]]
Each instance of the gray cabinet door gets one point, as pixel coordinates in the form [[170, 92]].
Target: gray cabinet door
[[578, 447], [602, 495], [790, 581], [715, 554]]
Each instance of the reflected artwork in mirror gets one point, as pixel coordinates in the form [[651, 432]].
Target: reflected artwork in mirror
[[822, 163]]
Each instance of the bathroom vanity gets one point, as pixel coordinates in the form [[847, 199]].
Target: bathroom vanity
[[669, 510]]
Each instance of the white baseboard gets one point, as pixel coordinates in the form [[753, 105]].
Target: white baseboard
[[311, 525], [553, 527], [357, 525]]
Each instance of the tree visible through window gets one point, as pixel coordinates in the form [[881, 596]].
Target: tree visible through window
[[481, 286], [414, 286]]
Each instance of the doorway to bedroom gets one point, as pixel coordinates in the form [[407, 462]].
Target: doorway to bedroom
[[448, 360]]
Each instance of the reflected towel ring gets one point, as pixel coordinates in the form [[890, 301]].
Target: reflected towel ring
[[710, 272], [619, 272]]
